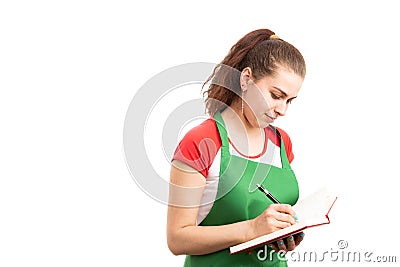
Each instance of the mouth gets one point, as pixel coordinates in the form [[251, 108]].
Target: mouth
[[270, 118]]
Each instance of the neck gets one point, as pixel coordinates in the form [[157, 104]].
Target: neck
[[247, 139], [236, 121]]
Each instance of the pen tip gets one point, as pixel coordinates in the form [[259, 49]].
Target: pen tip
[[258, 185]]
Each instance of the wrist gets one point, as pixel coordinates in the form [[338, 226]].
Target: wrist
[[250, 232]]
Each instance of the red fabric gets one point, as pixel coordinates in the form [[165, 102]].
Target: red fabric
[[200, 145]]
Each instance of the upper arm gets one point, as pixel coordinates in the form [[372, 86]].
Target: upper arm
[[190, 164], [185, 192]]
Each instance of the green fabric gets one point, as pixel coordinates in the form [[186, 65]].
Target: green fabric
[[238, 199]]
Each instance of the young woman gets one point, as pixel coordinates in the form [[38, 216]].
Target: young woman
[[214, 203]]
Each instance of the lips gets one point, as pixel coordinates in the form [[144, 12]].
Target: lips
[[270, 118]]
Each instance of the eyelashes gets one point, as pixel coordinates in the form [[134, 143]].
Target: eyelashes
[[279, 97], [274, 96]]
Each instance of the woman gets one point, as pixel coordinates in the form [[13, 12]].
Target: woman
[[214, 203]]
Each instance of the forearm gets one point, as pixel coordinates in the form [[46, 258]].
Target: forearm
[[199, 240]]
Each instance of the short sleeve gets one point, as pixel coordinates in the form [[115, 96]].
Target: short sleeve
[[199, 147]]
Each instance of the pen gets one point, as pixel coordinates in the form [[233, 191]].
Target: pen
[[268, 194], [271, 197]]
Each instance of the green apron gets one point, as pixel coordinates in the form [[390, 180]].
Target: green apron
[[238, 200]]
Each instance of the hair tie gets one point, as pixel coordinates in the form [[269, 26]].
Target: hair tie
[[274, 37]]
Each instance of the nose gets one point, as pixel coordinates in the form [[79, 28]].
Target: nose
[[280, 108]]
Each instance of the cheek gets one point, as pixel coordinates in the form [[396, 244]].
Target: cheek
[[256, 101]]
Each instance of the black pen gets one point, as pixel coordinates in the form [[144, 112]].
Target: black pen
[[268, 194], [271, 197]]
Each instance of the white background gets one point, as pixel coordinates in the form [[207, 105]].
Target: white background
[[69, 69]]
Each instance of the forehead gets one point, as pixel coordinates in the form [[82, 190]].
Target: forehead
[[283, 79]]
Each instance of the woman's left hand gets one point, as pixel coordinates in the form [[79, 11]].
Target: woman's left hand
[[289, 243]]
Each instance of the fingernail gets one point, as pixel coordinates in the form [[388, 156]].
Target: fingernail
[[302, 234], [296, 218]]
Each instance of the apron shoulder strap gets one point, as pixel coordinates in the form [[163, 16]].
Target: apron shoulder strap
[[284, 158], [221, 129], [276, 131]]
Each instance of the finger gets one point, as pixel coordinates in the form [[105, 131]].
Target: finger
[[290, 244], [285, 208], [280, 224], [281, 245], [283, 217], [286, 212], [298, 238], [273, 246]]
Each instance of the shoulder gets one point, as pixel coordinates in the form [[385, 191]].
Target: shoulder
[[199, 146], [206, 130]]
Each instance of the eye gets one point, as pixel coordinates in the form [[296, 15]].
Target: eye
[[274, 96], [289, 101]]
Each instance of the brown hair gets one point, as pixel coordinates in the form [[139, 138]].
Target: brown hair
[[257, 51]]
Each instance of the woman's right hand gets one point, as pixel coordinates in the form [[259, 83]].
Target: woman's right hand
[[275, 217]]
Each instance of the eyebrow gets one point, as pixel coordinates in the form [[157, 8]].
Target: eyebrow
[[280, 90], [283, 92]]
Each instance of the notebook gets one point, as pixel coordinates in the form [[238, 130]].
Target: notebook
[[311, 211]]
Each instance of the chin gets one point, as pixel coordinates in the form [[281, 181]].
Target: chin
[[261, 123], [258, 122]]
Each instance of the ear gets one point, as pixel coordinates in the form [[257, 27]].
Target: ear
[[245, 77]]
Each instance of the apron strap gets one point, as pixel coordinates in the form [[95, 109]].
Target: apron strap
[[284, 158], [223, 135], [222, 129]]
